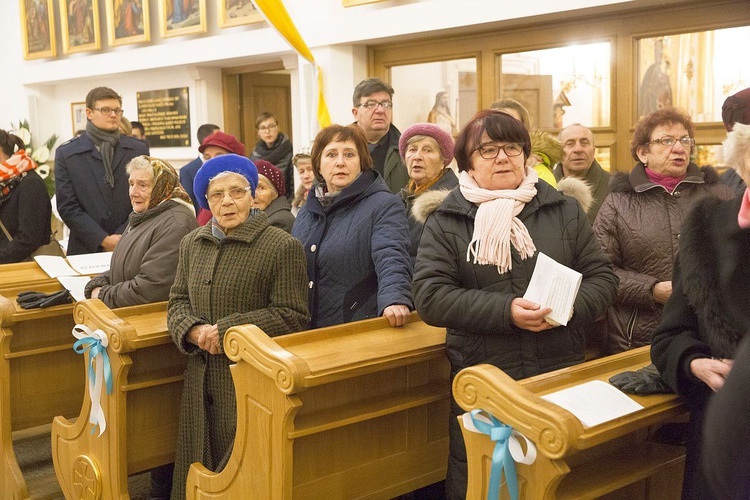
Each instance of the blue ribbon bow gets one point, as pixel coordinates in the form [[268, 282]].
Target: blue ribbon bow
[[95, 347], [502, 461]]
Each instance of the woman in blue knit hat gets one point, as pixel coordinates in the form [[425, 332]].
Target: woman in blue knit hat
[[235, 270]]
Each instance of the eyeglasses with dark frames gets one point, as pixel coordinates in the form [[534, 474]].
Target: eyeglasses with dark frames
[[490, 151], [109, 111], [375, 104]]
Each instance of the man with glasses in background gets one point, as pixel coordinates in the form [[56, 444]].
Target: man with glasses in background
[[578, 161], [91, 184], [373, 111]]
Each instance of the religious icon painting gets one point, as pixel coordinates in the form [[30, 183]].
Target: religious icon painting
[[79, 21], [182, 17], [38, 29], [237, 13], [127, 21]]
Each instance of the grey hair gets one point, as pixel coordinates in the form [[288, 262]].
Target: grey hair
[[737, 149], [139, 163], [224, 174], [268, 183]]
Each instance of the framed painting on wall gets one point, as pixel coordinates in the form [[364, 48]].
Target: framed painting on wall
[[79, 20], [182, 17], [237, 12], [127, 21], [38, 29], [78, 116]]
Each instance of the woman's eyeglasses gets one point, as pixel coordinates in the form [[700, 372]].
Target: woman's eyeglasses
[[235, 193], [670, 141], [490, 151]]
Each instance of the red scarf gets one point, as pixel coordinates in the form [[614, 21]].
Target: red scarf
[[12, 169]]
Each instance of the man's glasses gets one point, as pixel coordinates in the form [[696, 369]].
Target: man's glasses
[[268, 128], [375, 104], [490, 151], [235, 193], [109, 111], [670, 141]]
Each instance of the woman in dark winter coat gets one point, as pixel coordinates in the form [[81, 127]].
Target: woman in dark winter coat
[[355, 235], [274, 147], [476, 257], [704, 320], [270, 196], [25, 209], [235, 270], [427, 150], [638, 225]]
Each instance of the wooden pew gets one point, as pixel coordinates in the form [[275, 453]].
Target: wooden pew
[[616, 458], [352, 411], [142, 413], [40, 375]]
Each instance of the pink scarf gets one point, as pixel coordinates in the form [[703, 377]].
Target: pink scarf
[[743, 218], [497, 225], [666, 181]]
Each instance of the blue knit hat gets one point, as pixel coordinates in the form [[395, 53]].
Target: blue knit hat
[[223, 163]]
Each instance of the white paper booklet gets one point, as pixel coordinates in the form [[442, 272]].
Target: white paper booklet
[[90, 263], [54, 266], [554, 285], [594, 402]]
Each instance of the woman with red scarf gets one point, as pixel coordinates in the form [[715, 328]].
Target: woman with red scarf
[[25, 209]]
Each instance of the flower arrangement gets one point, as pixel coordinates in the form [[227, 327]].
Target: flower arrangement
[[40, 155]]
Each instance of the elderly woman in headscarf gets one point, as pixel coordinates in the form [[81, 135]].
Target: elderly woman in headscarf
[[704, 321], [478, 252], [25, 208], [270, 196], [144, 263], [427, 150], [235, 270]]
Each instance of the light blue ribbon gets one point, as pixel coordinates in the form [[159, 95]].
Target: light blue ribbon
[[95, 347], [502, 461]]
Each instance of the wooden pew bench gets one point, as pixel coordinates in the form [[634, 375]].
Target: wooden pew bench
[[351, 411], [616, 457], [40, 375], [142, 413]]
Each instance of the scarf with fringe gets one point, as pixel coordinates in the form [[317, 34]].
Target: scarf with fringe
[[497, 226]]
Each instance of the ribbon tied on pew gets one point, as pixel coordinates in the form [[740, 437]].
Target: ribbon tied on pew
[[507, 450], [100, 370]]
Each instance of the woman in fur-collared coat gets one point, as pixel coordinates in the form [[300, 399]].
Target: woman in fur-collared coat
[[638, 225], [704, 321]]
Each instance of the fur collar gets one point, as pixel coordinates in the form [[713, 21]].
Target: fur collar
[[627, 182], [699, 266], [428, 202]]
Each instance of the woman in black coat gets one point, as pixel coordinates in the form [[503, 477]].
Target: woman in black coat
[[707, 315], [477, 253], [25, 210]]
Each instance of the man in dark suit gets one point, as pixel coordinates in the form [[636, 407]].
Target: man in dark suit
[[187, 173], [91, 184]]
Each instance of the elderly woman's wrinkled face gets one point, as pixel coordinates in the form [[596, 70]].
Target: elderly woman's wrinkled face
[[504, 171], [666, 160], [141, 182], [423, 160], [306, 174], [232, 208], [268, 131], [264, 194], [339, 164]]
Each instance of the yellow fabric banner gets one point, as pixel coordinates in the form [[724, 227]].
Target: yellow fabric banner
[[277, 15]]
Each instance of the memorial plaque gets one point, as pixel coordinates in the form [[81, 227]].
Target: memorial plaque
[[165, 114]]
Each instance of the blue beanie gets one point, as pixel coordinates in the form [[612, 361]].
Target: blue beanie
[[223, 163]]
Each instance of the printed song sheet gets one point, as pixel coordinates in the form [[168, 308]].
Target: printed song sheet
[[594, 402], [90, 263], [556, 286], [54, 266]]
